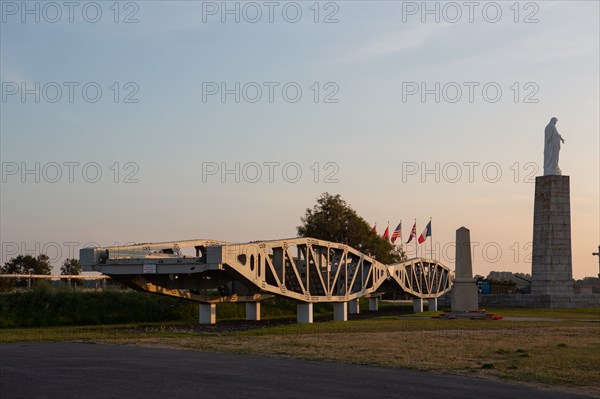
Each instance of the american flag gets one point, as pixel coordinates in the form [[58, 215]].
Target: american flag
[[413, 233], [397, 233]]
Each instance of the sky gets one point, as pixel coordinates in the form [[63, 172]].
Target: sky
[[153, 121]]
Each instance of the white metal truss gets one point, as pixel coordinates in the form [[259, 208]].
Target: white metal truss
[[304, 269], [421, 277]]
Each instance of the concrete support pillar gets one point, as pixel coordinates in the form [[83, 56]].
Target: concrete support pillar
[[208, 313], [354, 307], [432, 304], [340, 311], [417, 305], [253, 311], [373, 304], [304, 312]]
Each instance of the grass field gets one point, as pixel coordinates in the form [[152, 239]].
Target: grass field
[[561, 347]]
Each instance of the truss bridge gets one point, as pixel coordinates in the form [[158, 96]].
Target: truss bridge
[[306, 270]]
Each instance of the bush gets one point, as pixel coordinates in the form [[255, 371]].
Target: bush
[[49, 307]]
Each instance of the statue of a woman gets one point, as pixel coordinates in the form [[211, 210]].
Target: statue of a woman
[[552, 148]]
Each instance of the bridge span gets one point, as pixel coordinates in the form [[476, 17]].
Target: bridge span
[[306, 270]]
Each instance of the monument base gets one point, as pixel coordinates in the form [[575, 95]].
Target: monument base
[[464, 296]]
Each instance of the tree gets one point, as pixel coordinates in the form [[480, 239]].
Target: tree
[[24, 265], [71, 267], [332, 219], [28, 265]]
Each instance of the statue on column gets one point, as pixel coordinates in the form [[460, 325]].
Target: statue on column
[[552, 148]]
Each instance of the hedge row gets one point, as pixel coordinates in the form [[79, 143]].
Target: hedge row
[[61, 307], [46, 306]]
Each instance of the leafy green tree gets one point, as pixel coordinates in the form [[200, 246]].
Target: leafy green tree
[[71, 267], [24, 265], [332, 219], [28, 265]]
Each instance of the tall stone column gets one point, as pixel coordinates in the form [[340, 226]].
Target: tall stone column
[[464, 288], [552, 269]]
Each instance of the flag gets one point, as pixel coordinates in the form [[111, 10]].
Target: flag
[[426, 233], [413, 233], [386, 234], [374, 229], [397, 233]]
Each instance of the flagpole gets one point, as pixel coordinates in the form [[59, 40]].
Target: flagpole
[[416, 240], [431, 244], [395, 234], [402, 238]]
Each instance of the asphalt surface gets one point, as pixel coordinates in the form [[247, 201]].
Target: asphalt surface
[[70, 370]]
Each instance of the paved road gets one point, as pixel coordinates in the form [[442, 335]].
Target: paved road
[[68, 370]]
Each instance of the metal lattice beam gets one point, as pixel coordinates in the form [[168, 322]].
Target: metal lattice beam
[[304, 269]]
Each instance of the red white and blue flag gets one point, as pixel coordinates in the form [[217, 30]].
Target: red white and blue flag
[[413, 233], [397, 233], [426, 233]]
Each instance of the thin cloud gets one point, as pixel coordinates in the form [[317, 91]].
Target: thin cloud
[[542, 48], [393, 43]]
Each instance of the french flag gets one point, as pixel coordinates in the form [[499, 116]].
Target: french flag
[[426, 233]]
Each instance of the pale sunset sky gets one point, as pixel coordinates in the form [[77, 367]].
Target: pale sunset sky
[[153, 121]]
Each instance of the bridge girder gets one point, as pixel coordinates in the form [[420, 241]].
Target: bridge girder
[[304, 269]]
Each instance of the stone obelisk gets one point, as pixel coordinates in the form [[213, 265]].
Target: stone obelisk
[[464, 288]]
